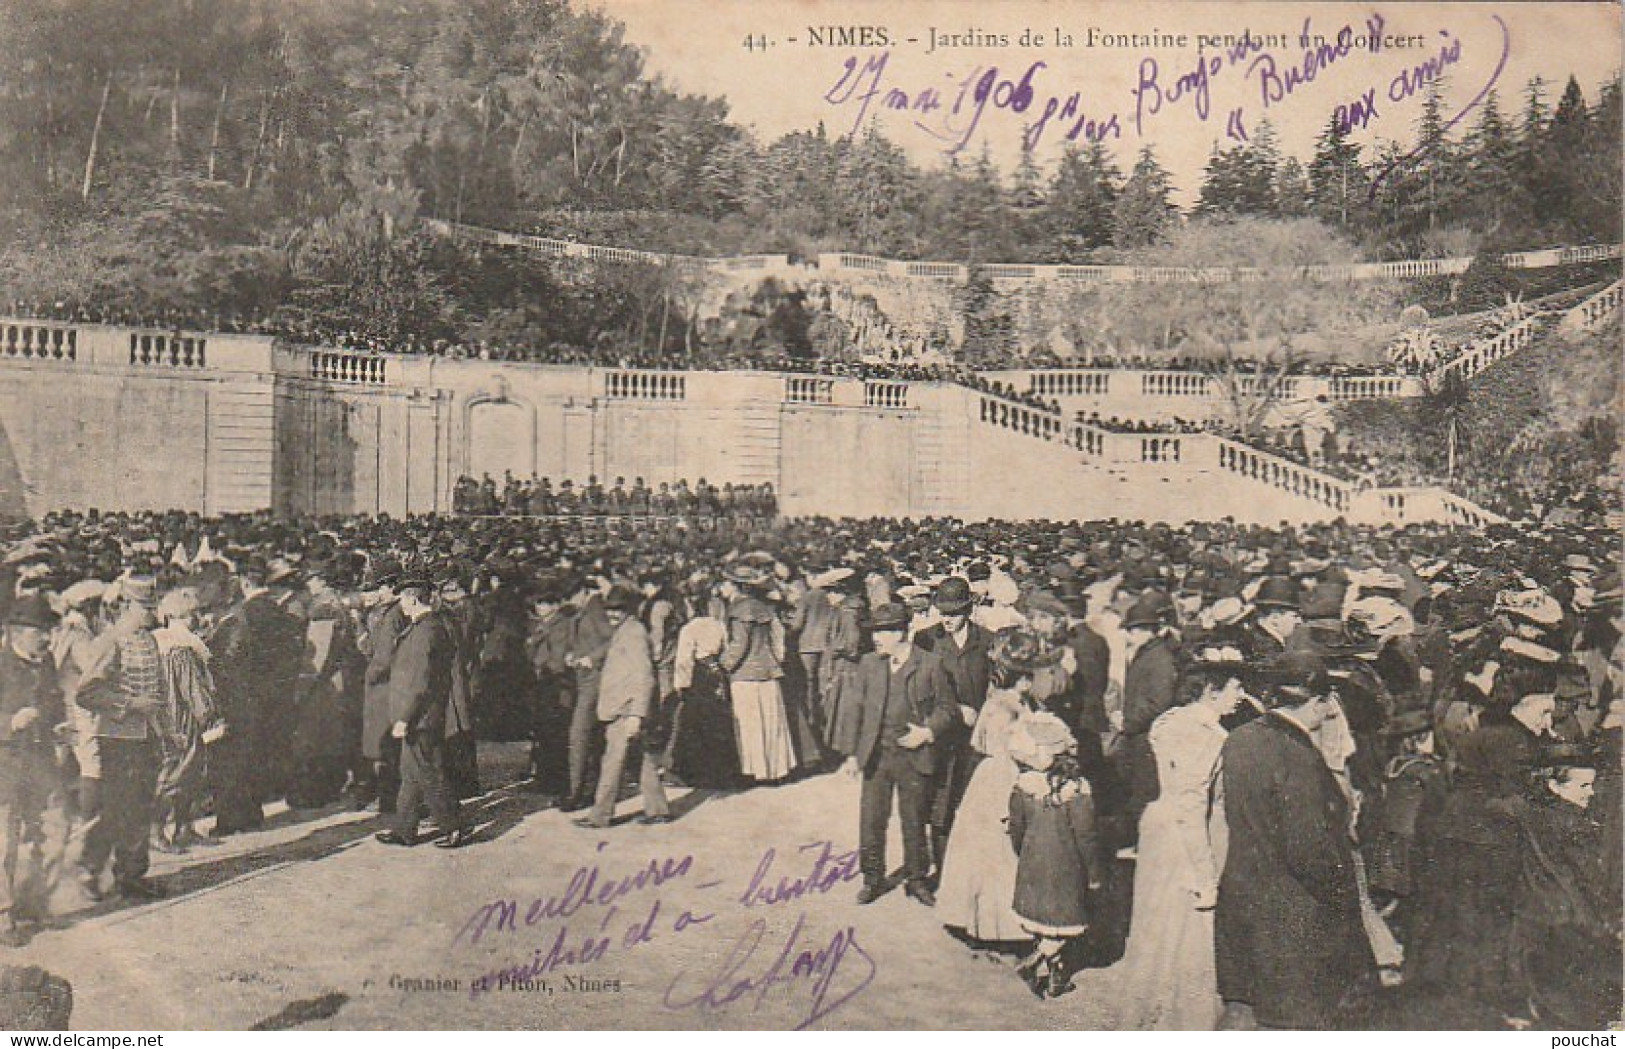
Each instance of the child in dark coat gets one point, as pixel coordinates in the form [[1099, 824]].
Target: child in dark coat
[[1052, 824]]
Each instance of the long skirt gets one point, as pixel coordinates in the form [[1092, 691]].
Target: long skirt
[[979, 874], [765, 750], [705, 753]]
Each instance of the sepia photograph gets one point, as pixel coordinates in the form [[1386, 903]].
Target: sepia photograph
[[828, 515]]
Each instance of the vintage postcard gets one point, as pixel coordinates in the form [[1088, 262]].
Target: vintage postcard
[[810, 515]]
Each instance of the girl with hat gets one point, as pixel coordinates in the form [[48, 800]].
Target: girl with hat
[[1059, 866]]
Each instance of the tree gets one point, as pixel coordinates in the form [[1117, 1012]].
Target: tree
[[1144, 212], [989, 329], [1338, 186], [1491, 157], [1250, 336], [874, 194], [1078, 214]]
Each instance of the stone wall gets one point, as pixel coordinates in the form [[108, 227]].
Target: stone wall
[[121, 419]]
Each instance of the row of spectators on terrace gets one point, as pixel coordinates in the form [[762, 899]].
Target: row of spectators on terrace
[[702, 358], [540, 497]]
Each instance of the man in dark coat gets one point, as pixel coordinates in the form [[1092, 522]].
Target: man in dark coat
[[961, 649], [1289, 941], [1278, 616], [258, 649], [905, 705], [548, 648], [382, 752], [420, 692], [1149, 689], [31, 706], [589, 644], [462, 750]]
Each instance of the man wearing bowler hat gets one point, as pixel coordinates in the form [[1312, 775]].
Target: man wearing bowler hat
[[626, 695], [961, 648], [904, 705], [1278, 616], [1149, 690], [420, 684]]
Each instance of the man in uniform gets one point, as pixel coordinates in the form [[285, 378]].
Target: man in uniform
[[123, 686]]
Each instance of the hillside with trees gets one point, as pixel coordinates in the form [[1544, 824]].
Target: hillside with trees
[[273, 158]]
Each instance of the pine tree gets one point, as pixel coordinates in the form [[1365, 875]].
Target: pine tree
[[1291, 189], [1490, 156], [1338, 186], [1144, 211], [1078, 212]]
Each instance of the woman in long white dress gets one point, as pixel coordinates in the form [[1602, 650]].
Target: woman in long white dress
[[977, 891], [979, 869], [1166, 979]]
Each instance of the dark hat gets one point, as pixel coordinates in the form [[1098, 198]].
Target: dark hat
[[1150, 609], [1277, 591], [1021, 650], [1042, 601], [748, 575], [889, 616], [953, 596], [416, 581], [383, 571], [31, 610], [1325, 601], [1410, 723], [622, 598], [1296, 674], [1075, 598]]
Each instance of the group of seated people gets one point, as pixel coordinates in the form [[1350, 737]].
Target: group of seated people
[[540, 497]]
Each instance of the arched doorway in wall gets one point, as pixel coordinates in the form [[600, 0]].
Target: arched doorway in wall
[[501, 438]]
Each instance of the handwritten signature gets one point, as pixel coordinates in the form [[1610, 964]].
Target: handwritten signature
[[952, 113], [815, 969]]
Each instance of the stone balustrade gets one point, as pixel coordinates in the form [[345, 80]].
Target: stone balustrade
[[1022, 418], [1175, 384], [1290, 477], [1071, 383], [645, 385], [1590, 313], [885, 394], [38, 340], [168, 349], [1370, 387], [349, 368], [808, 389], [1485, 352]]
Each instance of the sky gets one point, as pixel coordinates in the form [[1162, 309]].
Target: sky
[[1212, 72]]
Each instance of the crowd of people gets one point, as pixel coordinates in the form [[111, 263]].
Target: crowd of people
[[1337, 769], [537, 497]]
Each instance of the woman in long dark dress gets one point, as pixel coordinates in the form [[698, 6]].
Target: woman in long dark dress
[[706, 754]]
